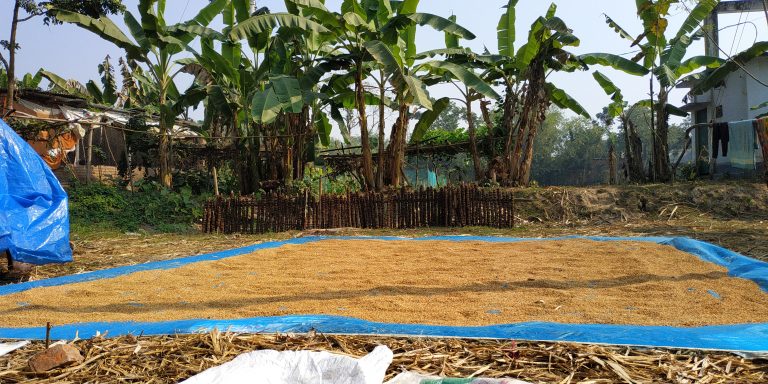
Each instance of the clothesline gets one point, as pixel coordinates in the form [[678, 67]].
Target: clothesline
[[719, 133]]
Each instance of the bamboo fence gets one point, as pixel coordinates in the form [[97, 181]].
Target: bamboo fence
[[457, 206]]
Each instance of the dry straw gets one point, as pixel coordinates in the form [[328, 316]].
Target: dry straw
[[171, 359]]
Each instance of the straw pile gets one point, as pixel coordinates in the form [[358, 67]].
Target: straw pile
[[172, 359]]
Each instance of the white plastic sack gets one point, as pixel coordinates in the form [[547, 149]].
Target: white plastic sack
[[415, 378], [272, 367], [6, 348]]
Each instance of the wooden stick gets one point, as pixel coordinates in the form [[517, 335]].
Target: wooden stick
[[47, 335]]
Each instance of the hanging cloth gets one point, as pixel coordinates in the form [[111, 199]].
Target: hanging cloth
[[742, 144], [761, 127], [432, 178], [720, 138]]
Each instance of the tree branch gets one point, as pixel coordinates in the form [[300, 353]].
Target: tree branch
[[28, 18], [2, 60]]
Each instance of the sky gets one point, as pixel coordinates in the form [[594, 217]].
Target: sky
[[74, 53]]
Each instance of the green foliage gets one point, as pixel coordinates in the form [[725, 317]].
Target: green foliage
[[93, 8], [567, 152], [506, 30], [59, 84], [687, 171], [28, 81], [717, 76], [617, 99], [454, 117], [149, 205], [615, 62], [439, 136], [564, 100], [428, 118], [332, 182]]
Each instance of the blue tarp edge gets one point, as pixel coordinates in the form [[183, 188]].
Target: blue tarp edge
[[745, 337]]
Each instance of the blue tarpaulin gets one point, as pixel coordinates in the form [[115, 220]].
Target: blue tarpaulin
[[34, 215], [739, 337]]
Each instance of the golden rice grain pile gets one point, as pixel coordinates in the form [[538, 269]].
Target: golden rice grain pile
[[169, 359]]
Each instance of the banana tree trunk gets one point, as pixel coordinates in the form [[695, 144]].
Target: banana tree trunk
[[382, 126], [366, 143], [273, 152], [288, 141], [491, 145], [515, 160], [511, 147], [12, 57], [255, 163], [612, 179], [628, 154], [303, 143], [479, 174], [662, 169], [536, 119], [535, 105], [397, 147], [164, 149], [250, 166], [633, 148]]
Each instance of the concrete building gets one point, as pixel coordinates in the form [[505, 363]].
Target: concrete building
[[734, 101]]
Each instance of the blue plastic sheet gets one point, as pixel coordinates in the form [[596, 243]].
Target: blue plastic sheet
[[751, 338], [34, 215], [745, 338]]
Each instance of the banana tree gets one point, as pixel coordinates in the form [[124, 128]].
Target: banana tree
[[229, 77], [473, 89], [132, 94], [33, 9], [618, 108], [380, 34], [154, 44], [523, 74], [282, 95], [106, 94], [28, 81], [62, 85], [665, 58]]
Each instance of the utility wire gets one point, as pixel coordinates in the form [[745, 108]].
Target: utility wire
[[765, 9], [736, 37], [184, 12], [736, 34], [730, 58]]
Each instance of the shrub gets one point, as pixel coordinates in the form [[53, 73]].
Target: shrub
[[149, 205]]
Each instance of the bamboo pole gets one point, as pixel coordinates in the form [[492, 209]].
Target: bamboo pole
[[215, 181], [89, 156]]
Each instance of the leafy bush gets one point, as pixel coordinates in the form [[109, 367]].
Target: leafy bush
[[333, 183], [687, 172], [149, 205]]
